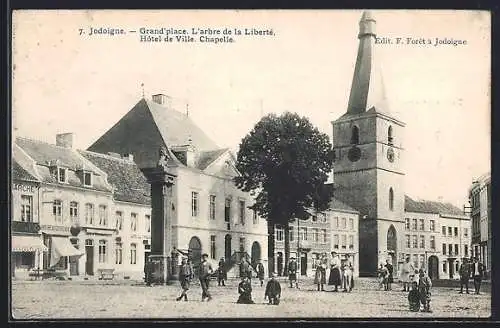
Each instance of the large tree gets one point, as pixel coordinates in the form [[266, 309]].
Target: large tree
[[285, 161]]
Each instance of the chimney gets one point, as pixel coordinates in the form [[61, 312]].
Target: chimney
[[129, 157], [163, 100], [64, 140]]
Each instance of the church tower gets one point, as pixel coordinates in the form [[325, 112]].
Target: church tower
[[368, 144]]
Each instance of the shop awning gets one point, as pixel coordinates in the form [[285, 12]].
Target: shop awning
[[27, 244], [62, 247]]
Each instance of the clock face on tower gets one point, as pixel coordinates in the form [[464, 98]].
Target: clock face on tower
[[390, 155], [354, 154]]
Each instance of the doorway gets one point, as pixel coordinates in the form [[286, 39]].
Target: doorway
[[433, 265], [392, 242], [227, 247], [73, 260], [303, 264], [89, 253], [195, 252], [279, 261], [255, 253], [451, 266]]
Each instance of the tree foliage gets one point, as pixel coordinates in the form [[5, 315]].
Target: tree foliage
[[285, 161]]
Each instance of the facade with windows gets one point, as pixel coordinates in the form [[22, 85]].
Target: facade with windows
[[335, 229], [480, 207], [437, 237]]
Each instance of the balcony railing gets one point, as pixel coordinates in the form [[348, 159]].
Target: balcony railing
[[28, 227]]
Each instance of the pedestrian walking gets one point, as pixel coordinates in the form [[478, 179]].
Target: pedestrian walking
[[292, 272], [465, 274], [407, 270], [390, 277], [186, 274], [477, 274], [273, 290], [320, 275], [414, 297], [245, 291], [221, 273], [381, 274], [335, 278], [260, 272], [424, 289], [205, 271]]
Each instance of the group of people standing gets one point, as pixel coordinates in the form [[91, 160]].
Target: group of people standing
[[385, 275], [471, 269]]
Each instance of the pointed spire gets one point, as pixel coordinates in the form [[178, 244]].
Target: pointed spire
[[367, 89]]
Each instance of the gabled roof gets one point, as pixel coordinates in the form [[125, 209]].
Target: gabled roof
[[336, 204], [45, 155], [19, 173], [125, 176], [177, 128], [205, 158], [427, 206]]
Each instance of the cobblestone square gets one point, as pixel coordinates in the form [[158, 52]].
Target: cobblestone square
[[129, 299]]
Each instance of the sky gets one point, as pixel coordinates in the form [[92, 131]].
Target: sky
[[65, 81]]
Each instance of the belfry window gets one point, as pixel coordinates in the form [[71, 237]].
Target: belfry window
[[390, 138], [355, 135], [391, 199]]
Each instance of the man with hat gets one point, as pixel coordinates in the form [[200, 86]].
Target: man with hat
[[205, 272], [221, 273], [185, 275], [464, 272], [273, 290], [292, 272], [477, 274]]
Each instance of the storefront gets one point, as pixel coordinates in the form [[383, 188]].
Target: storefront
[[27, 253], [61, 251]]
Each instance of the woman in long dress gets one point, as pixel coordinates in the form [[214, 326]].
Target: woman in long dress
[[335, 279]]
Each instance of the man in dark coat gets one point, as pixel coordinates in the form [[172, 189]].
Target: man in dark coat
[[464, 272], [221, 273], [245, 291], [205, 272], [477, 274], [185, 275], [273, 290], [390, 278], [260, 272], [292, 272]]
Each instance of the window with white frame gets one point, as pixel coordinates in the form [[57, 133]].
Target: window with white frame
[[316, 235], [336, 241], [323, 236], [408, 241], [242, 212], [89, 213], [102, 251], [62, 176], [351, 242], [422, 241], [279, 233], [344, 223], [73, 212], [444, 249], [444, 230], [455, 230], [57, 210], [26, 208], [212, 247], [291, 233], [415, 242], [87, 179], [118, 253], [303, 233], [194, 203], [212, 207], [133, 221], [323, 217], [147, 218], [336, 222], [414, 224], [449, 231], [407, 224], [133, 253], [422, 225], [103, 215], [343, 241], [351, 223], [227, 209], [432, 225], [432, 242], [119, 220]]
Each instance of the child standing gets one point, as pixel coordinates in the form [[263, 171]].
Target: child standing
[[273, 290], [424, 287]]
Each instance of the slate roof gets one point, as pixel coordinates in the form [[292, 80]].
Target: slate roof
[[125, 176], [176, 127], [336, 204], [427, 206], [19, 173], [44, 154], [205, 158]]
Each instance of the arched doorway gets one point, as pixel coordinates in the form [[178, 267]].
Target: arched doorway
[[433, 265], [195, 251], [227, 247], [255, 253], [392, 245]]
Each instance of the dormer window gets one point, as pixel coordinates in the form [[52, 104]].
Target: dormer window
[[62, 177], [87, 179]]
